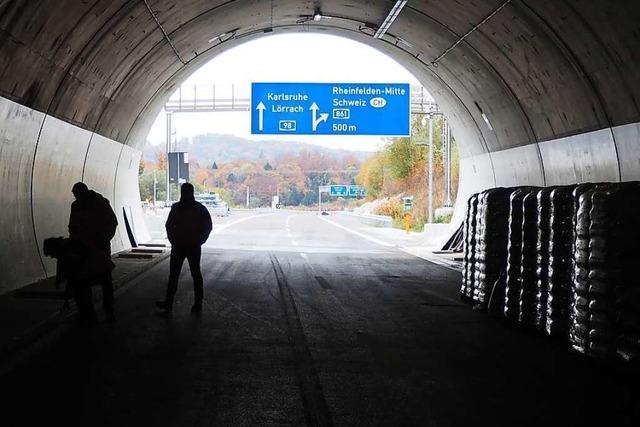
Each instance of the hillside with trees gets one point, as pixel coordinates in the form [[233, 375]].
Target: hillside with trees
[[230, 165], [233, 166], [401, 170]]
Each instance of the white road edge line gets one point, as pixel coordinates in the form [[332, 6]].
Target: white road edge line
[[433, 260], [217, 230], [357, 233]]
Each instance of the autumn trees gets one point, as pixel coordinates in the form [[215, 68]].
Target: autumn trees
[[401, 168], [295, 177]]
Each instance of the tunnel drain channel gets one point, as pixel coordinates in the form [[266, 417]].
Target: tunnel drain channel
[[315, 405]]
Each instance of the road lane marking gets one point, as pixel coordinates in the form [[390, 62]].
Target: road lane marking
[[357, 233], [313, 399], [237, 221]]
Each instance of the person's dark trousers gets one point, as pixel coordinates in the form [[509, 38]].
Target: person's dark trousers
[[178, 254], [82, 295], [107, 283]]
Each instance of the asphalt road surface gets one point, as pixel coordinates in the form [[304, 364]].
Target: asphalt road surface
[[307, 323]]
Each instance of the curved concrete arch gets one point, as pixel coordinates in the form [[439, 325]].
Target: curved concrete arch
[[81, 83]]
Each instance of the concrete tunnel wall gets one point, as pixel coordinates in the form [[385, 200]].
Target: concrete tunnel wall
[[82, 82], [41, 157]]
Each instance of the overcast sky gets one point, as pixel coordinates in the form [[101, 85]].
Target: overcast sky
[[283, 58]]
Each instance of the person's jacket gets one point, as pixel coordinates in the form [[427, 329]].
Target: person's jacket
[[188, 224], [92, 221]]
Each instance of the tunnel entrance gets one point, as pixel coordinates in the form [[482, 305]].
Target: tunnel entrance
[[207, 121], [538, 94], [307, 318]]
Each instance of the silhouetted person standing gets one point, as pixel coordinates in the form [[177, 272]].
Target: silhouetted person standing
[[188, 227], [93, 223]]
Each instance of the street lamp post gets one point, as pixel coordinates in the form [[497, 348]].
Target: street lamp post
[[168, 151], [429, 167], [448, 164], [155, 187]]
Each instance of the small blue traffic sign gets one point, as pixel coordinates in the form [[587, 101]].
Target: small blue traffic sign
[[331, 109], [356, 191], [339, 191]]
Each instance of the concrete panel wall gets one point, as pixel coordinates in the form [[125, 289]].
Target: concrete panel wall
[[58, 165], [41, 157], [19, 259], [627, 139], [606, 155], [128, 196], [588, 157], [99, 167], [476, 174], [518, 166]]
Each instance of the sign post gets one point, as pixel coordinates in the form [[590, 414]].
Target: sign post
[[331, 109], [407, 206], [321, 189]]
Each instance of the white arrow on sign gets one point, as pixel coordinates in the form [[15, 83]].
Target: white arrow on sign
[[261, 109], [315, 120]]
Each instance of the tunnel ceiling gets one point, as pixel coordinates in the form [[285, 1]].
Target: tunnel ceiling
[[537, 69]]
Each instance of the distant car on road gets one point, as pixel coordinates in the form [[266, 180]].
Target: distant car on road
[[214, 203], [324, 213]]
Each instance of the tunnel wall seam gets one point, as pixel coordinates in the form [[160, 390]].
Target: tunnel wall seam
[[33, 221]]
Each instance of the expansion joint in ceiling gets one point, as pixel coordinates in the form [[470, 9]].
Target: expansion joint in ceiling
[[166, 36], [468, 33]]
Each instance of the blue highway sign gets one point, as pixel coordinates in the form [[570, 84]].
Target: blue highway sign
[[339, 190], [356, 191], [331, 109]]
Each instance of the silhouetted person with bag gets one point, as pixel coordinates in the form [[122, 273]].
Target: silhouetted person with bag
[[93, 223], [81, 267], [188, 227]]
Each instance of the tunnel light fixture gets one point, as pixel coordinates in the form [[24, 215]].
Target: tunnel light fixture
[[218, 37], [484, 116], [223, 37], [393, 14], [486, 120]]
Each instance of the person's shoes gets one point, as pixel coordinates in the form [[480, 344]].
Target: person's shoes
[[196, 308], [164, 306]]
